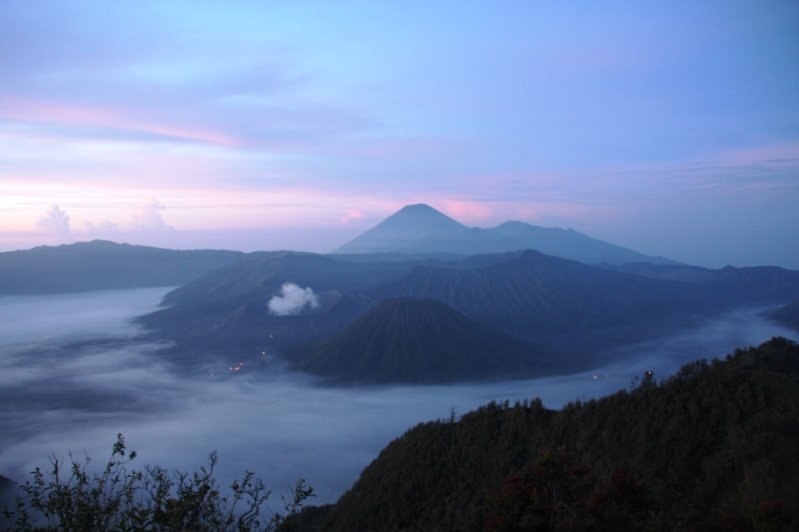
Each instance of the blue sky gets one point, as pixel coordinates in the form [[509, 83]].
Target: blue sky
[[670, 127]]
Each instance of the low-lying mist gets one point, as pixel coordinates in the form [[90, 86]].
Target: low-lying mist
[[73, 375]]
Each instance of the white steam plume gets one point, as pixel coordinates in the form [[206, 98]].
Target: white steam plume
[[292, 300]]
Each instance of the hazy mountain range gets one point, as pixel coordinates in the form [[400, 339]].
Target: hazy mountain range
[[420, 229], [415, 299], [537, 306], [342, 327], [103, 265], [422, 299]]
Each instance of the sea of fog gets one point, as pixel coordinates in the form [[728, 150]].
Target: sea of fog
[[73, 375]]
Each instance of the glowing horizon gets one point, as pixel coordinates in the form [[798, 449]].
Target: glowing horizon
[[672, 130]]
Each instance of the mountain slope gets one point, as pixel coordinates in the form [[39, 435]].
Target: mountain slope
[[225, 313], [788, 315], [714, 445], [103, 265], [530, 294], [417, 340], [569, 244], [420, 229], [750, 285], [568, 307], [402, 231], [526, 295]]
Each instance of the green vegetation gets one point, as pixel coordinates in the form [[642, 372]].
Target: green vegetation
[[73, 498], [712, 447]]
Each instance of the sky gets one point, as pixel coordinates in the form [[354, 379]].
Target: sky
[[668, 127]]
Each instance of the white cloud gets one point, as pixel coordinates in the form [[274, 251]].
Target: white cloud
[[104, 229], [55, 222], [292, 300], [148, 218]]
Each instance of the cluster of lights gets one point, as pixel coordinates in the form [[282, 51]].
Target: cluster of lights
[[237, 368]]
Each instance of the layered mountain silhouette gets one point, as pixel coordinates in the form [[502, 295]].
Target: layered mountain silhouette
[[103, 265], [418, 340], [226, 314], [568, 308], [421, 229], [736, 286], [531, 293]]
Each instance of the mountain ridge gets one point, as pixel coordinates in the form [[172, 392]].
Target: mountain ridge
[[565, 306], [104, 265], [421, 229], [530, 293]]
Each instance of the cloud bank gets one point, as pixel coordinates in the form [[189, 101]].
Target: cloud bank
[[72, 376], [146, 220]]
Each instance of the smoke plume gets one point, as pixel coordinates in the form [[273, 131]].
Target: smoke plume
[[292, 300]]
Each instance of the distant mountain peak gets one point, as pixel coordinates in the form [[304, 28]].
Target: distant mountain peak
[[423, 212], [421, 229], [418, 207], [401, 231]]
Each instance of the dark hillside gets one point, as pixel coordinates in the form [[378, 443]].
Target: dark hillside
[[103, 265], [728, 285], [570, 308], [788, 315], [224, 315], [7, 492], [530, 295], [713, 447], [419, 340], [260, 275]]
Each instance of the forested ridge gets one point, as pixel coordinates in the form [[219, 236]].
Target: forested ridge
[[714, 446]]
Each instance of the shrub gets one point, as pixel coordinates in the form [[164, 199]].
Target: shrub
[[121, 498]]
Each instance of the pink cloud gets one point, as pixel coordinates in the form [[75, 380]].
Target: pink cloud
[[468, 210], [353, 215], [393, 147], [777, 152], [49, 112]]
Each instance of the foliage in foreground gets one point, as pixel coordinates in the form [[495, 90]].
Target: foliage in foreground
[[122, 498], [711, 448]]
